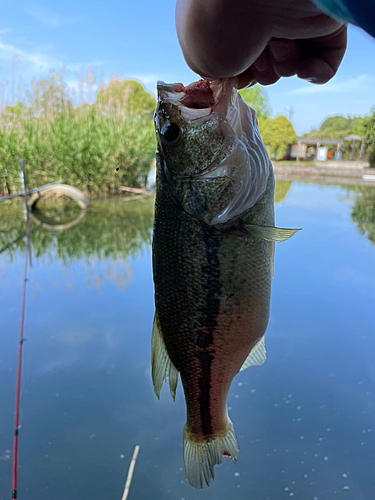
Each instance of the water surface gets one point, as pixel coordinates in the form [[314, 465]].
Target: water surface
[[305, 420]]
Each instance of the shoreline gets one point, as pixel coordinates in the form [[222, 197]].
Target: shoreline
[[324, 174]]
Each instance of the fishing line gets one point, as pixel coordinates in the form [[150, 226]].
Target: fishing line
[[19, 369]]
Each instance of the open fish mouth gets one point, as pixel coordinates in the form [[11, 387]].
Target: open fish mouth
[[198, 99], [197, 95]]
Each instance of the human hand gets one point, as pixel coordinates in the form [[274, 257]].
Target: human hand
[[259, 40]]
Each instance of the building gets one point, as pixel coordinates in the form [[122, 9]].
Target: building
[[306, 149]]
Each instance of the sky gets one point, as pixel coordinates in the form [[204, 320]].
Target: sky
[[138, 39]]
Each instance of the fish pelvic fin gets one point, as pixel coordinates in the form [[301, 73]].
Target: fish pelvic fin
[[162, 366], [269, 233], [257, 355], [200, 457]]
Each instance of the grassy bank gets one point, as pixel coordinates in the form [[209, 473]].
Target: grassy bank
[[95, 147]]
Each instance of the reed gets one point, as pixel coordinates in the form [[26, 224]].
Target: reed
[[96, 146]]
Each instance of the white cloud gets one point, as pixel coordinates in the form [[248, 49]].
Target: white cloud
[[361, 82], [49, 18], [37, 59]]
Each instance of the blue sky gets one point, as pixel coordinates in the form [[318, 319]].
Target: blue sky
[[139, 40]]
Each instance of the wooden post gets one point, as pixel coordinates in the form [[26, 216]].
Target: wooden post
[[23, 188], [352, 156], [130, 473], [26, 213], [362, 149]]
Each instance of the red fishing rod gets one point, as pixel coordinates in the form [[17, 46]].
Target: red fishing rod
[[22, 339]]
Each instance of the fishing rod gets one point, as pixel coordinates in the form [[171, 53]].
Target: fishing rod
[[21, 341]]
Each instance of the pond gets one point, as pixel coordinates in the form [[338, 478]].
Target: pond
[[305, 420]]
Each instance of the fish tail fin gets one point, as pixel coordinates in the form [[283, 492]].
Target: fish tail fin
[[200, 457]]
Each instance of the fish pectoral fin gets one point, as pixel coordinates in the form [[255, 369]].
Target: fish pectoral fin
[[257, 355], [269, 233], [162, 366]]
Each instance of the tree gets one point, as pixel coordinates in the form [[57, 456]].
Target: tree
[[277, 133], [126, 95], [369, 136], [369, 130], [338, 127], [257, 98]]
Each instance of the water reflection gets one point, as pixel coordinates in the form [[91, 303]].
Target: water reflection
[[112, 228], [363, 212], [305, 419], [282, 188], [47, 222]]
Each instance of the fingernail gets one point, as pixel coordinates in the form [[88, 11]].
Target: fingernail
[[278, 51], [312, 79], [261, 64]]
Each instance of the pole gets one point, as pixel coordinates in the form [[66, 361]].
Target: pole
[[23, 187], [362, 149], [21, 342], [130, 473]]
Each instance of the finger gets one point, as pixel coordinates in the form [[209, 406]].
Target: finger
[[246, 79], [285, 55], [263, 71], [323, 56], [216, 37]]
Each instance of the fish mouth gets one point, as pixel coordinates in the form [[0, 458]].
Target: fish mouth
[[198, 99], [197, 95]]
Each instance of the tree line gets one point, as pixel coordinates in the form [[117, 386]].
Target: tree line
[[278, 133]]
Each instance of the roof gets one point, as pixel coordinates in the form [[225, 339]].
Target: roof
[[353, 137], [314, 142]]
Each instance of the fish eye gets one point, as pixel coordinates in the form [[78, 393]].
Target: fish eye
[[170, 132]]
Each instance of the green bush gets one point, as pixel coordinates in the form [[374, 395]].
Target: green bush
[[90, 147]]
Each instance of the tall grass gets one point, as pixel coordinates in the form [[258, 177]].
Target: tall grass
[[97, 146]]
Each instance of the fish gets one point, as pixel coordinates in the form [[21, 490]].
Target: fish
[[212, 253]]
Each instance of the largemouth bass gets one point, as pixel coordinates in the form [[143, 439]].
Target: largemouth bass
[[213, 247]]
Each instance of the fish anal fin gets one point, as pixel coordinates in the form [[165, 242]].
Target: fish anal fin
[[200, 457], [257, 355], [269, 233], [162, 366]]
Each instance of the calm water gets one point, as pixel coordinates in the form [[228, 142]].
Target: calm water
[[305, 420]]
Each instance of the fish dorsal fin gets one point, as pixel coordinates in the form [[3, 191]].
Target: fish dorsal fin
[[162, 366], [270, 233], [257, 355]]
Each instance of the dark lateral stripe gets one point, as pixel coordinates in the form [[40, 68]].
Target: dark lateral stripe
[[205, 334]]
